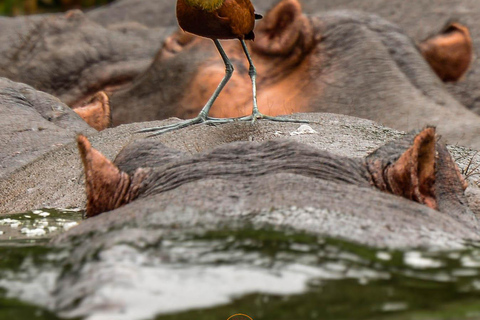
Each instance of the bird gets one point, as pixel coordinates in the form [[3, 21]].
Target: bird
[[220, 19]]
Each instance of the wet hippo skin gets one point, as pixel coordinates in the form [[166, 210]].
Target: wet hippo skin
[[319, 202]]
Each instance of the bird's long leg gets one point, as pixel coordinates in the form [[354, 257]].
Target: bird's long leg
[[256, 114], [203, 115], [228, 74], [252, 72]]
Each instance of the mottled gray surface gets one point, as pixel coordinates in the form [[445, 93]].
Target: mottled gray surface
[[56, 178], [152, 13], [359, 64], [31, 124], [375, 72], [130, 249], [305, 204], [72, 57], [355, 211]]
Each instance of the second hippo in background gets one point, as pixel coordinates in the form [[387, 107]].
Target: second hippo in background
[[33, 122], [72, 57], [343, 62]]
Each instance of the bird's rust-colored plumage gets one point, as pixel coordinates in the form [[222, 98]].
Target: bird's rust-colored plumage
[[232, 19]]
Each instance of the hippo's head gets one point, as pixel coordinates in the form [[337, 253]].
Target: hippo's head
[[342, 61]]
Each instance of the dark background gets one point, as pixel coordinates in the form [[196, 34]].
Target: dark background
[[20, 7]]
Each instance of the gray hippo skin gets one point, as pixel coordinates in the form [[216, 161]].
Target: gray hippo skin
[[309, 64], [384, 199], [246, 176], [32, 123], [419, 19], [72, 57], [343, 62], [328, 190]]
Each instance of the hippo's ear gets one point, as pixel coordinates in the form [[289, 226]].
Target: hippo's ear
[[407, 168], [283, 29], [175, 43], [450, 52], [96, 112], [106, 185], [413, 175]]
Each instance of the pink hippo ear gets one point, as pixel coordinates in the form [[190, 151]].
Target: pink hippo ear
[[283, 29], [96, 112], [450, 52], [413, 175], [175, 43], [106, 185]]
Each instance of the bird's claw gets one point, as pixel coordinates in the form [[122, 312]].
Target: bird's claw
[[260, 116], [183, 124], [214, 121]]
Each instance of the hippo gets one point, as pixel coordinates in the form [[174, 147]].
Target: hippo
[[334, 188], [323, 51], [405, 193], [342, 61], [34, 122], [416, 167], [420, 20], [73, 58]]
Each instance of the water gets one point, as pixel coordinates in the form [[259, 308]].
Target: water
[[36, 226], [24, 246], [267, 274]]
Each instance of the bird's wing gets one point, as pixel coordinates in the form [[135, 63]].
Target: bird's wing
[[221, 17]]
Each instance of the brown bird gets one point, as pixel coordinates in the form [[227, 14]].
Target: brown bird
[[219, 19]]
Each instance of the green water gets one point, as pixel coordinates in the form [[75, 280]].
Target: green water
[[356, 282], [36, 226], [376, 284], [24, 240]]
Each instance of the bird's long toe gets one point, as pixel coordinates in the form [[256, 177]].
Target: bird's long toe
[[183, 124], [170, 127], [258, 115]]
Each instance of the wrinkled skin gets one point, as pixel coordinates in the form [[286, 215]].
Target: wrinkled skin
[[32, 123], [420, 20], [415, 167], [329, 202], [52, 183], [254, 184], [71, 57], [341, 62]]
